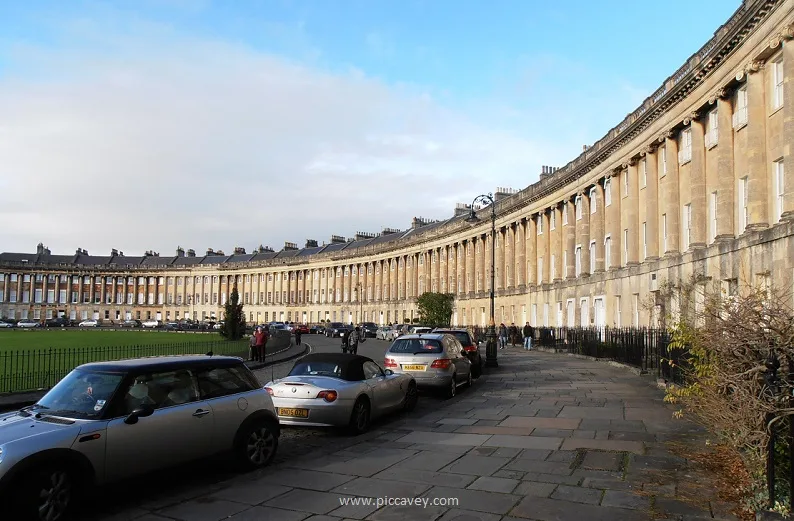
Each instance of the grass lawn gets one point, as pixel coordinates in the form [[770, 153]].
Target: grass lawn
[[24, 339], [37, 359]]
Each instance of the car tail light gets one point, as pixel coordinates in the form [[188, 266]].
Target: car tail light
[[469, 348], [328, 396], [441, 363], [269, 391], [390, 362]]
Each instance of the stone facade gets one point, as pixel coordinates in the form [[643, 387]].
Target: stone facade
[[692, 182]]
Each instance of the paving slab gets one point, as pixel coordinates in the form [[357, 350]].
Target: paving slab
[[468, 515], [477, 500], [252, 493], [476, 465], [428, 460], [524, 442], [374, 488], [616, 445], [269, 513], [493, 484], [438, 438], [444, 479], [544, 509], [203, 509], [309, 501]]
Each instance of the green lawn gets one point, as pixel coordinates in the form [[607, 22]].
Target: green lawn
[[37, 359], [24, 339]]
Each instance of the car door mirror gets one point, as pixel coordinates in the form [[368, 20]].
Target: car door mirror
[[141, 412], [388, 372]]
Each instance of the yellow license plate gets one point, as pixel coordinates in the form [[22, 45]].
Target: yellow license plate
[[293, 413], [415, 367]]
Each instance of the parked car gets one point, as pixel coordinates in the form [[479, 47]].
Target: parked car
[[470, 347], [27, 323], [316, 329], [131, 323], [334, 329], [418, 330], [5, 325], [380, 334], [303, 329], [58, 322], [89, 323], [108, 421], [435, 360], [370, 329], [151, 324], [340, 390]]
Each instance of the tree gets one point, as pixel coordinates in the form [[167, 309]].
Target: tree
[[435, 309], [234, 320]]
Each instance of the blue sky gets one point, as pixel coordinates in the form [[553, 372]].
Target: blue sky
[[418, 93]]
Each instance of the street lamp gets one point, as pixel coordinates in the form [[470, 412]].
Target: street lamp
[[490, 344], [360, 299]]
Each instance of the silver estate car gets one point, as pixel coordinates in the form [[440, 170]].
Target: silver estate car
[[434, 360], [107, 421]]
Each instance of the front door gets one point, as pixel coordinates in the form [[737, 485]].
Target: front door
[[584, 309], [179, 430], [600, 312]]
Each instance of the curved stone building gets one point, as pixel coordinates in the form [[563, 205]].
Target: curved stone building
[[698, 179]]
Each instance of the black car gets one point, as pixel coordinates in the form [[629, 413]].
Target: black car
[[470, 347], [131, 323], [58, 322], [369, 329], [334, 329]]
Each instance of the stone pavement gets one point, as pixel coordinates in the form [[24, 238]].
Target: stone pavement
[[544, 437]]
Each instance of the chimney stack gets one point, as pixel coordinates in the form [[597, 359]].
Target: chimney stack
[[239, 251], [114, 252], [180, 252], [311, 243], [191, 253], [210, 251]]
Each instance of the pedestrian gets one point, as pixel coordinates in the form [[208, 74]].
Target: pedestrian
[[513, 334], [502, 335], [265, 338], [297, 337], [528, 337], [260, 345], [353, 339], [253, 346]]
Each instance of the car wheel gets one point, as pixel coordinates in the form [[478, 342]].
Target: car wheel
[[46, 494], [360, 418], [257, 444], [411, 397], [453, 387]]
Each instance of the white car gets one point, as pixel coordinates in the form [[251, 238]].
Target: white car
[[28, 323], [151, 323], [88, 323], [5, 325]]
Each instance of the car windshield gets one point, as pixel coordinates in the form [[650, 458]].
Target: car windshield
[[416, 346], [81, 394], [316, 369]]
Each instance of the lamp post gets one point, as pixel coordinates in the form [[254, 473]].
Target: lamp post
[[360, 299], [490, 336]]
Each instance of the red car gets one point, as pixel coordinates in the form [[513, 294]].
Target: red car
[[303, 329]]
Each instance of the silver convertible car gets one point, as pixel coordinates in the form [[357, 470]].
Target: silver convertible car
[[340, 390], [107, 421]]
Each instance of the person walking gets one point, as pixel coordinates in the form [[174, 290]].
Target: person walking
[[252, 344], [502, 335], [528, 333], [513, 334], [260, 345], [353, 339], [297, 337]]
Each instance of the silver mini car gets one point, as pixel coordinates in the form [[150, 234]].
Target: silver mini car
[[107, 421], [340, 390], [434, 360]]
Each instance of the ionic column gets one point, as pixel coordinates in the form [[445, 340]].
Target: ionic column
[[652, 200], [726, 178], [612, 222], [597, 227], [757, 177], [697, 181], [568, 208], [788, 123], [510, 243], [520, 247], [671, 195], [532, 250]]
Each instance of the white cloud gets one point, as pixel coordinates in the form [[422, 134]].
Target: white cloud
[[148, 140]]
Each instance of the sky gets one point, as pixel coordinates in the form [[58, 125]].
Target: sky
[[151, 124]]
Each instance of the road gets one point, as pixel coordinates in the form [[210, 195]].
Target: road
[[294, 442]]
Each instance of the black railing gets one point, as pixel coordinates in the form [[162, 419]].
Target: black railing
[[650, 350], [33, 369]]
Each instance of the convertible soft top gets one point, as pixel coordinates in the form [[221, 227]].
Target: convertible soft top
[[350, 365]]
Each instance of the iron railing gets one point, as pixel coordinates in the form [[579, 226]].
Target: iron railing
[[34, 369]]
